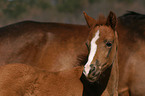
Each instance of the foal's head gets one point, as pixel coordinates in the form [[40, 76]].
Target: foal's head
[[102, 45]]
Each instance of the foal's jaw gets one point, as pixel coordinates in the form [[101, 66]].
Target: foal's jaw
[[94, 68], [93, 49]]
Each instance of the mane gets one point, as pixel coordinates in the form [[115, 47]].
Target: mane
[[131, 17], [134, 15], [134, 23], [101, 20]]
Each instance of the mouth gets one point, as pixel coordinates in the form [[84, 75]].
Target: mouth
[[92, 77], [95, 71], [93, 74]]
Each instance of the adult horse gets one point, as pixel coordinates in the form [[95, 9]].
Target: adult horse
[[46, 44], [131, 32]]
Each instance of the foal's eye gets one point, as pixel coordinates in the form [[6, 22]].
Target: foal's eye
[[108, 44]]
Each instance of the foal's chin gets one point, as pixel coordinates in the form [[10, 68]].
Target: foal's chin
[[93, 77]]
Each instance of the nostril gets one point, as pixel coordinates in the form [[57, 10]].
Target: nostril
[[93, 76], [91, 65]]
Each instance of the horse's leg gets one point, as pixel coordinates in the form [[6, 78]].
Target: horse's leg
[[124, 80], [105, 93], [115, 93], [124, 92]]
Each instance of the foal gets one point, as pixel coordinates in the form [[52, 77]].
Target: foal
[[24, 80], [101, 68]]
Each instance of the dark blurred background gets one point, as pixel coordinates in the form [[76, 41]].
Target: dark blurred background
[[65, 11]]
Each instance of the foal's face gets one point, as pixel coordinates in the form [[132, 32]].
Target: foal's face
[[102, 50], [102, 45]]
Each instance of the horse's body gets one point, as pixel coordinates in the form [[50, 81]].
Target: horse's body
[[25, 80], [32, 43], [131, 32], [54, 47]]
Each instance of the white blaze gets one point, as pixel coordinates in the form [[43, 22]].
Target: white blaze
[[92, 53]]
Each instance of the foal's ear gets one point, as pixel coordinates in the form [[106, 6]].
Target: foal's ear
[[90, 21], [111, 20]]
